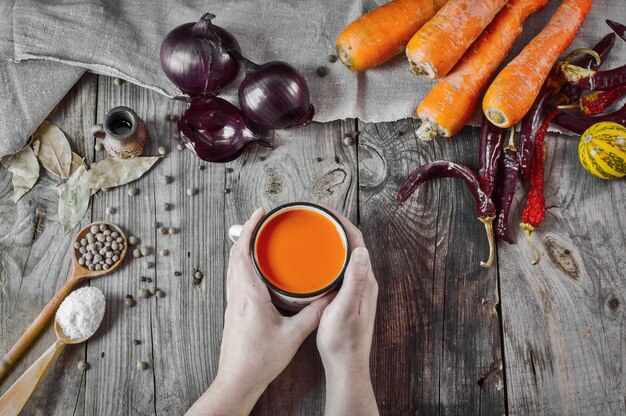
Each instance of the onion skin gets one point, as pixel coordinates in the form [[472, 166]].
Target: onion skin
[[216, 130], [276, 96], [197, 58]]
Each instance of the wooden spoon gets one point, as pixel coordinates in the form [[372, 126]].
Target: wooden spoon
[[78, 275], [12, 402]]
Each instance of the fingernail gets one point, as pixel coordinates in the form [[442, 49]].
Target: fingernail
[[360, 256]]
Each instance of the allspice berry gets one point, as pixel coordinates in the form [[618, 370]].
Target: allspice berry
[[133, 191], [110, 210], [173, 230], [192, 191], [133, 240], [163, 230], [162, 150], [136, 253], [144, 293], [83, 365], [130, 302], [160, 294], [142, 365]]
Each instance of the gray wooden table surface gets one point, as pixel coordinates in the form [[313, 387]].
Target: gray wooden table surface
[[451, 338]]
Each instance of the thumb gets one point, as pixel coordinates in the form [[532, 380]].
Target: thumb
[[308, 318], [355, 278]]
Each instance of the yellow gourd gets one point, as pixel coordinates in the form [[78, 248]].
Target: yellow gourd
[[602, 150]]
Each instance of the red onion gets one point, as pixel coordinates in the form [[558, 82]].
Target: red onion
[[216, 130], [275, 96], [197, 58]]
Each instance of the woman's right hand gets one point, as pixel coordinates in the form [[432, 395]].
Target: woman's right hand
[[344, 335]]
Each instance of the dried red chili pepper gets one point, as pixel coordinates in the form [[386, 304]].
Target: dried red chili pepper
[[592, 80], [578, 124], [447, 169], [507, 182], [618, 28], [597, 101], [535, 209], [567, 93], [490, 148]]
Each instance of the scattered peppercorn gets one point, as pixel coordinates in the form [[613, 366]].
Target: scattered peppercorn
[[162, 150], [153, 290], [166, 179], [144, 293], [142, 278], [173, 230], [163, 230], [171, 117], [180, 146], [348, 141], [177, 273], [196, 281], [133, 240], [117, 81], [192, 191], [198, 274], [146, 250], [136, 342], [136, 253], [130, 302], [321, 71], [142, 365], [160, 294], [332, 58], [98, 147], [202, 167], [164, 252], [83, 365], [148, 264], [110, 210], [133, 191]]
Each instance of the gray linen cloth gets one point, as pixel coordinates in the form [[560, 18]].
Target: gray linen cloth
[[56, 41]]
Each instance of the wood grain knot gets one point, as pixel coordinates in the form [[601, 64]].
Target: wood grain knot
[[561, 257], [326, 185], [372, 167], [274, 183]]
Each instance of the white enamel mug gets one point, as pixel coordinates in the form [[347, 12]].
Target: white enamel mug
[[284, 299]]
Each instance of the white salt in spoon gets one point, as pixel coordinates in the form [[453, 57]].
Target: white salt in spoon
[[12, 402]]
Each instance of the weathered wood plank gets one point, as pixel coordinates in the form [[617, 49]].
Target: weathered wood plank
[[308, 164], [437, 333], [180, 333], [564, 319], [34, 262]]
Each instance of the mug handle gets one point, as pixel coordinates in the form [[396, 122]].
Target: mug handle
[[234, 232]]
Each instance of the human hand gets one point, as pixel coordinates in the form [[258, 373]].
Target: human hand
[[258, 342], [344, 336]]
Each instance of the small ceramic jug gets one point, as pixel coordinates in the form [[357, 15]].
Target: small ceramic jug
[[123, 133]]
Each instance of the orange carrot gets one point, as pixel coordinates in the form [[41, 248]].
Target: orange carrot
[[383, 33], [440, 43], [514, 90], [451, 103]]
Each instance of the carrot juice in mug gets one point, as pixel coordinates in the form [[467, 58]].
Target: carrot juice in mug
[[300, 251]]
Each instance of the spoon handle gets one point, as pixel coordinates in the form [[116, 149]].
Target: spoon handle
[[37, 326], [12, 402]]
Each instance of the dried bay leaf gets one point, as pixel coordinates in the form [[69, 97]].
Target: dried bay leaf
[[77, 161], [54, 152], [74, 199], [112, 172], [25, 169]]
